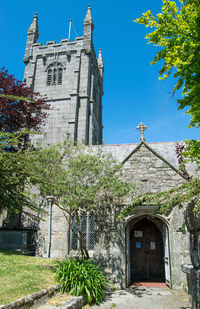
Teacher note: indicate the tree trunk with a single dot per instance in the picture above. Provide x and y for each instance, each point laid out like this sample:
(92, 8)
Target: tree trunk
(84, 251)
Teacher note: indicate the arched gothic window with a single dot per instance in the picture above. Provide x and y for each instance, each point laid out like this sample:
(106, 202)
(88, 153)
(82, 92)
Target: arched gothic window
(87, 227)
(54, 74)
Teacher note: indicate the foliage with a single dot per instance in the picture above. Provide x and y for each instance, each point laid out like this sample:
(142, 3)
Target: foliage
(167, 200)
(16, 167)
(79, 179)
(82, 277)
(192, 151)
(20, 107)
(177, 32)
(23, 275)
(21, 110)
(12, 177)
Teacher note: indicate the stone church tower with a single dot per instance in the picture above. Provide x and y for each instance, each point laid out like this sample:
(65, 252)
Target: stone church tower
(71, 77)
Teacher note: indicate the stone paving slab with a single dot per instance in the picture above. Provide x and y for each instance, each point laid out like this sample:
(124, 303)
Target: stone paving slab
(145, 298)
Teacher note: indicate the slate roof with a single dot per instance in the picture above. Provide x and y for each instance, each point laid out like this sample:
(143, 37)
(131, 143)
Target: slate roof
(166, 150)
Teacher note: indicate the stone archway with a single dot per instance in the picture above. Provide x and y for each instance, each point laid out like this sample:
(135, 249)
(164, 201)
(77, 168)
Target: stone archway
(147, 250)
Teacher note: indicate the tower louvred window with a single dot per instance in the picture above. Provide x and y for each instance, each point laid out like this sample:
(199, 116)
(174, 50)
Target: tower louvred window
(54, 74)
(60, 76)
(49, 77)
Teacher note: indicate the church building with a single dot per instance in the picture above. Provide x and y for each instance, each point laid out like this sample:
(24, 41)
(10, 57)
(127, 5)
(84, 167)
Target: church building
(71, 77)
(144, 247)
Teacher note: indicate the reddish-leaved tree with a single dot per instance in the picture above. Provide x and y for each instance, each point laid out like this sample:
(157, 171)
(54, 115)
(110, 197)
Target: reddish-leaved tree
(20, 107)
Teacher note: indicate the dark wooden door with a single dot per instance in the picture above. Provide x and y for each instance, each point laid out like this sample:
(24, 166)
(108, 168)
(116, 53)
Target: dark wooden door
(146, 252)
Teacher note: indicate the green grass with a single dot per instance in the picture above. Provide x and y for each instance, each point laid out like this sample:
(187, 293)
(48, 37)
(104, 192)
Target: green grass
(22, 275)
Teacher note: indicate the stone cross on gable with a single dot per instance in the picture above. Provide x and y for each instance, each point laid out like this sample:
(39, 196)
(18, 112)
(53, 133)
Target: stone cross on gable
(142, 128)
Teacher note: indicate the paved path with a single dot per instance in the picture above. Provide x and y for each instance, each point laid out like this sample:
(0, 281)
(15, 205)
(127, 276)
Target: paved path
(145, 298)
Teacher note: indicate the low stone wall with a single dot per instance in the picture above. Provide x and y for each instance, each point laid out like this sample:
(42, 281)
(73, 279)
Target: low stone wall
(34, 300)
(73, 303)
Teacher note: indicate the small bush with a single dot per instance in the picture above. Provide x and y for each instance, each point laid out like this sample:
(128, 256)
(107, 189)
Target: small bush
(82, 277)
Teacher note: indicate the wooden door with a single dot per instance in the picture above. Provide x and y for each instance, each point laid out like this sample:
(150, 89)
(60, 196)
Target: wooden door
(146, 252)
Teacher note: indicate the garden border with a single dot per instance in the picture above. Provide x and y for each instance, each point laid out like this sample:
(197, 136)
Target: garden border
(39, 298)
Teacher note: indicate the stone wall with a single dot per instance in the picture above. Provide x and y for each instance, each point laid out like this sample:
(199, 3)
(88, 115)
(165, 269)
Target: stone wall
(59, 247)
(150, 171)
(192, 270)
(179, 247)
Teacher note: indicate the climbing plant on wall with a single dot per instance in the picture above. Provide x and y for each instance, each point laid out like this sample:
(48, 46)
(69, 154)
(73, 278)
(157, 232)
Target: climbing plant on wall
(167, 200)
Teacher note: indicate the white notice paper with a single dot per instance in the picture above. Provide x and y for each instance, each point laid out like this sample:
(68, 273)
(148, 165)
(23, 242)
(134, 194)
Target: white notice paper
(138, 233)
(153, 245)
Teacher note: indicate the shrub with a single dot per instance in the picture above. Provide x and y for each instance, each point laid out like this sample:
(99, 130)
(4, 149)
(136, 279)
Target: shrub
(81, 277)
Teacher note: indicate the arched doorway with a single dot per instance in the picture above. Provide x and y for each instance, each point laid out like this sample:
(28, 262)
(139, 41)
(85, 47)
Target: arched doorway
(148, 250)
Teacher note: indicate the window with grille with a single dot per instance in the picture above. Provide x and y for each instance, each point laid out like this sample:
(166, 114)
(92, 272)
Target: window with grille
(54, 74)
(87, 227)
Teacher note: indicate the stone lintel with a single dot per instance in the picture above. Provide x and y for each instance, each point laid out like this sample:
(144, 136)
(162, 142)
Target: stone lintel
(145, 210)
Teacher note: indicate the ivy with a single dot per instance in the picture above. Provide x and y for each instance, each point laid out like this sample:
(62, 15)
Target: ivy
(167, 200)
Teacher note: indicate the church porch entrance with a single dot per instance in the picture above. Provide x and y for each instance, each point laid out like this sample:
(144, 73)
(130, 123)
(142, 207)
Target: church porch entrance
(148, 250)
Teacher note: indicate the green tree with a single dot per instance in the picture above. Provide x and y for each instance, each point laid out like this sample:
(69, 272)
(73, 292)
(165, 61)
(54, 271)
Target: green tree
(21, 109)
(15, 171)
(80, 180)
(177, 34)
(192, 151)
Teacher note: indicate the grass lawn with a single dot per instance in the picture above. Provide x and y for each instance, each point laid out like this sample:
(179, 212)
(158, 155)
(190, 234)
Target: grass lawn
(22, 275)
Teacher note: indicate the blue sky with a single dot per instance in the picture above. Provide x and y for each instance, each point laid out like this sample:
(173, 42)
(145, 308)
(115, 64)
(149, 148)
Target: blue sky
(132, 91)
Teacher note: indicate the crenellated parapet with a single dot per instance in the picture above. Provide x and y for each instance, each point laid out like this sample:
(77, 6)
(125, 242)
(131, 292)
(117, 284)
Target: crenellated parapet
(69, 74)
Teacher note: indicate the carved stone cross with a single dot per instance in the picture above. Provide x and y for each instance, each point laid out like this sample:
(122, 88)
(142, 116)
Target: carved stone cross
(142, 128)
